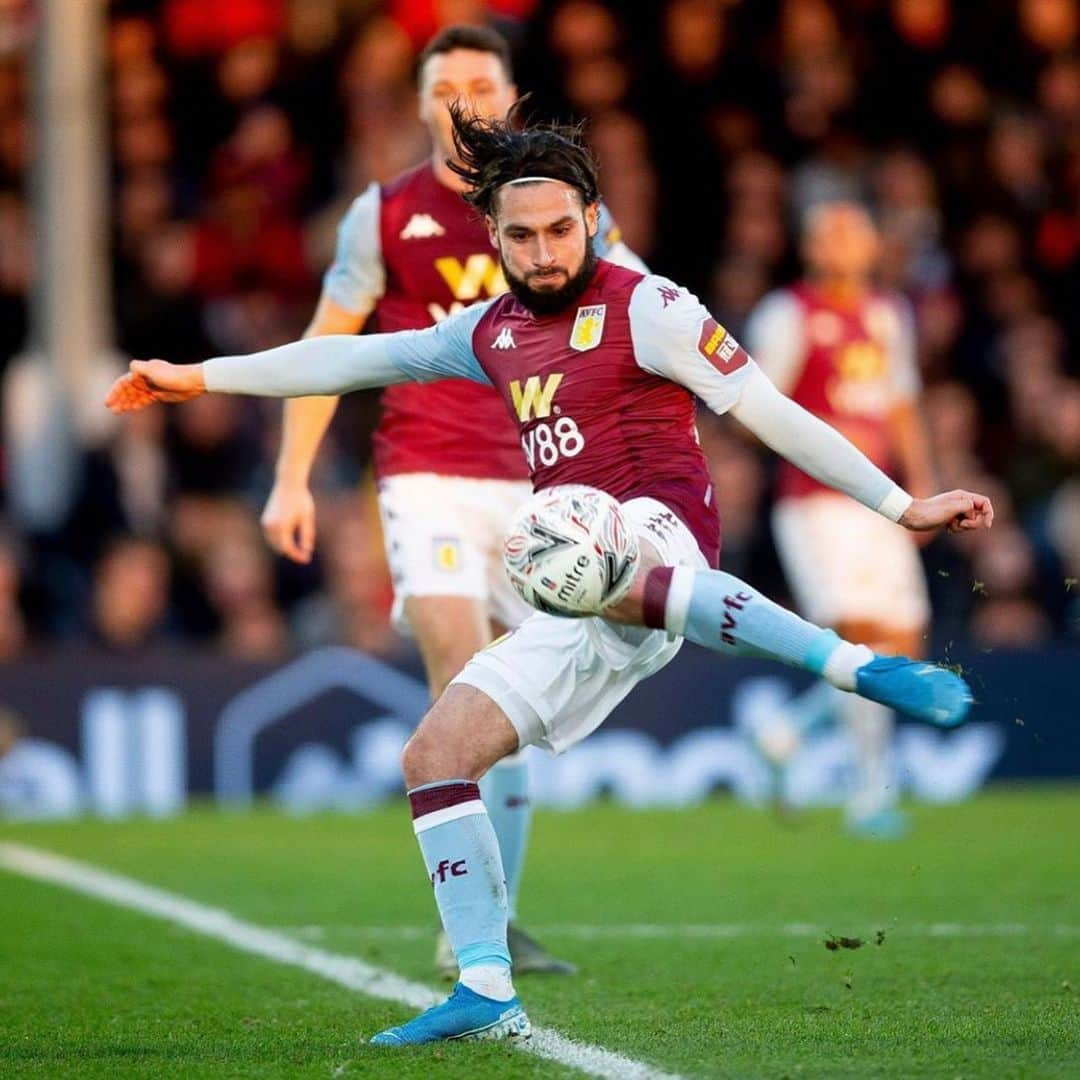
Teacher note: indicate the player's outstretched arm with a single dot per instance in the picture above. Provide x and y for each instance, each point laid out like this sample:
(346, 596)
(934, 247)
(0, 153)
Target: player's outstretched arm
(822, 452)
(317, 366)
(331, 365)
(675, 337)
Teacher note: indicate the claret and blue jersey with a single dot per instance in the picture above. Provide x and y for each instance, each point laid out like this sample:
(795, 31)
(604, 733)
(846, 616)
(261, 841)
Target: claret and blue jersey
(602, 393)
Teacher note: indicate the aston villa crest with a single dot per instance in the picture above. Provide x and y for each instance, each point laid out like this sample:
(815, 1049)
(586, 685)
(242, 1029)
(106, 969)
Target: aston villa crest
(588, 327)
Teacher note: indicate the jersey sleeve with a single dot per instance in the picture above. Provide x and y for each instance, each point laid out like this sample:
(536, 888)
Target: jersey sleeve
(442, 351)
(357, 278)
(610, 245)
(336, 363)
(675, 337)
(775, 336)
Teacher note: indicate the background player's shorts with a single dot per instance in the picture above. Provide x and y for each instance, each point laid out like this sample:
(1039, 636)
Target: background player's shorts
(558, 679)
(846, 562)
(444, 537)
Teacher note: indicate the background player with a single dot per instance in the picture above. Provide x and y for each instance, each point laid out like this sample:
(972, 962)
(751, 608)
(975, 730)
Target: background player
(585, 333)
(447, 459)
(846, 352)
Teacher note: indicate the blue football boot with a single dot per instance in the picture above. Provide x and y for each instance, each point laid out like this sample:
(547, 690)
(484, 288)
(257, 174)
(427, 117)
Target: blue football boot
(465, 1014)
(916, 688)
(885, 824)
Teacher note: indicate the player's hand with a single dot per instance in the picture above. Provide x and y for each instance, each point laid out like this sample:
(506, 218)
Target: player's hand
(959, 511)
(150, 381)
(288, 521)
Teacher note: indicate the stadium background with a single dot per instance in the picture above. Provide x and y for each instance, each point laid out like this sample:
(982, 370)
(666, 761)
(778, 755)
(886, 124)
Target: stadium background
(237, 135)
(151, 650)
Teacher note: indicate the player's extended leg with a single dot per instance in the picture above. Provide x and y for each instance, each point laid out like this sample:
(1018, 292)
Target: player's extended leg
(721, 612)
(462, 736)
(449, 631)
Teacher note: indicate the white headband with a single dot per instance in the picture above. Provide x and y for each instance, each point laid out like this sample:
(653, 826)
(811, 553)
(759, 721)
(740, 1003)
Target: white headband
(533, 180)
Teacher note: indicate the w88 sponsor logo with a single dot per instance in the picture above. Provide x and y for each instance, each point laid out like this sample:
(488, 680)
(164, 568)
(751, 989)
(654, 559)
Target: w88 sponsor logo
(548, 441)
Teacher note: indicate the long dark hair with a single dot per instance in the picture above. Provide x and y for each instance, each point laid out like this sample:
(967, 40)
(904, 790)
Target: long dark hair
(494, 152)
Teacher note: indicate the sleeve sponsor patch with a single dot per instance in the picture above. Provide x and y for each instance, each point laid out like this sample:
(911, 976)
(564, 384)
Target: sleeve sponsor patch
(720, 348)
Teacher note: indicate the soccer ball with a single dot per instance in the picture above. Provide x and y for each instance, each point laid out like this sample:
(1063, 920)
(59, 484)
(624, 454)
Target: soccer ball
(569, 551)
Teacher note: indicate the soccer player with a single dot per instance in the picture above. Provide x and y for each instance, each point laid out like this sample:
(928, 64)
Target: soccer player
(447, 459)
(846, 352)
(599, 366)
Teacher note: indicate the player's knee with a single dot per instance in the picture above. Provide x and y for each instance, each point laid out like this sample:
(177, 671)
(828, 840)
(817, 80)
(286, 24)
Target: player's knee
(432, 754)
(417, 762)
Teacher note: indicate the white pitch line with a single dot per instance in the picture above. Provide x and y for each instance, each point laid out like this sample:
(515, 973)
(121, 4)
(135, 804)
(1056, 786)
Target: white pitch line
(347, 971)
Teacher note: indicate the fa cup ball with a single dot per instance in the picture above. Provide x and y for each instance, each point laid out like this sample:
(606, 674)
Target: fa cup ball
(569, 551)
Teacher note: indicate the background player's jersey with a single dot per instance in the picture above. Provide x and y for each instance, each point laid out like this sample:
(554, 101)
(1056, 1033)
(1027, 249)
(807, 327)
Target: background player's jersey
(413, 252)
(850, 365)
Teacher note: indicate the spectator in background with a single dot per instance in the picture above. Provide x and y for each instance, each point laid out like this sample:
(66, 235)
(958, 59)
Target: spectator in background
(355, 609)
(240, 587)
(130, 597)
(241, 130)
(12, 622)
(1008, 614)
(195, 28)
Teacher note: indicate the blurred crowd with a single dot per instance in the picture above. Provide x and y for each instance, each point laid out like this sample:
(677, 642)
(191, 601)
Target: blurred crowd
(240, 131)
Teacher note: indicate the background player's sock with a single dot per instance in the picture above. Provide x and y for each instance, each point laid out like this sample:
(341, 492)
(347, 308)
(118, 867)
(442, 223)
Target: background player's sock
(871, 726)
(505, 790)
(817, 707)
(779, 733)
(724, 613)
(462, 859)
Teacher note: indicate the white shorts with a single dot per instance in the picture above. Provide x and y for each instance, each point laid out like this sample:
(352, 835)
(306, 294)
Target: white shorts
(444, 537)
(558, 679)
(844, 562)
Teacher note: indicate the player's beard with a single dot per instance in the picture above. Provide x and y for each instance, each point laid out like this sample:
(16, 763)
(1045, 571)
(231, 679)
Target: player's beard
(552, 301)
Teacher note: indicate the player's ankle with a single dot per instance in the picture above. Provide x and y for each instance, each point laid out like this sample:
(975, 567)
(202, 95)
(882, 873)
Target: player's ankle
(844, 661)
(490, 980)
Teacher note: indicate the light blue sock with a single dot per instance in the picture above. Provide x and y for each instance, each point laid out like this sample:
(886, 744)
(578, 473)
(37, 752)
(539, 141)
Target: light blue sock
(462, 859)
(723, 613)
(505, 790)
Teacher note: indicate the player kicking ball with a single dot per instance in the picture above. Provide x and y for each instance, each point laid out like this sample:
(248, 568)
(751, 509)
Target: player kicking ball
(599, 366)
(447, 459)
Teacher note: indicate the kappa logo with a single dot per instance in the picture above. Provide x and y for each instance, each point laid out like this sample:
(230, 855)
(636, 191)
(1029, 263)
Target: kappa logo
(588, 327)
(668, 293)
(535, 399)
(662, 525)
(505, 340)
(421, 227)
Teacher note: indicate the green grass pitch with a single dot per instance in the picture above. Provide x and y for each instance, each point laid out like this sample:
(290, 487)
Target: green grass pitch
(700, 934)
